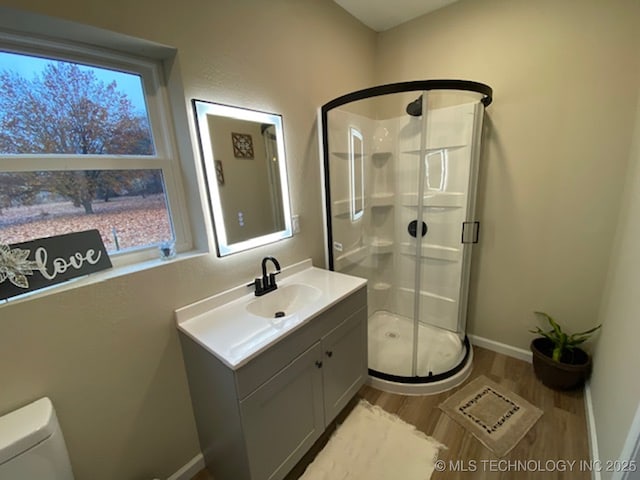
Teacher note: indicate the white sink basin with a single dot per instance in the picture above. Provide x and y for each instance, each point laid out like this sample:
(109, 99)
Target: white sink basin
(284, 301)
(236, 326)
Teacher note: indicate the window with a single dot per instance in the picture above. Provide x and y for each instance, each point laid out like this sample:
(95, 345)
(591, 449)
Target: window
(85, 143)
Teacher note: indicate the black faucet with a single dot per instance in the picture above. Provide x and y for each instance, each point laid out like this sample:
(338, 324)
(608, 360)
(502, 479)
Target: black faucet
(267, 283)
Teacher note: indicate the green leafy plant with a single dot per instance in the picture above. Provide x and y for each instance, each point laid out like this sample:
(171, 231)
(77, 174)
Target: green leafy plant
(561, 341)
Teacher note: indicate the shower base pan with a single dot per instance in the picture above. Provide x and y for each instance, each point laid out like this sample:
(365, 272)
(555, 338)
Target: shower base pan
(443, 360)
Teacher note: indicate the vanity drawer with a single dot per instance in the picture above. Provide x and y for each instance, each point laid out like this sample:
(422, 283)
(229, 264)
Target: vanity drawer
(250, 376)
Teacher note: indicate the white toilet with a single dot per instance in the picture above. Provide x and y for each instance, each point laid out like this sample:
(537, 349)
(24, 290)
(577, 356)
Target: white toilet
(32, 446)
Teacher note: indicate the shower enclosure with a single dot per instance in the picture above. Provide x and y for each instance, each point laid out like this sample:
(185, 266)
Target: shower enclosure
(400, 171)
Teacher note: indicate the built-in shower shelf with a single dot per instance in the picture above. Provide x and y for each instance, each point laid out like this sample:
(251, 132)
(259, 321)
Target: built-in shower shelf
(381, 286)
(437, 309)
(379, 246)
(381, 157)
(438, 252)
(434, 199)
(357, 255)
(426, 294)
(342, 208)
(351, 257)
(347, 155)
(433, 149)
(381, 200)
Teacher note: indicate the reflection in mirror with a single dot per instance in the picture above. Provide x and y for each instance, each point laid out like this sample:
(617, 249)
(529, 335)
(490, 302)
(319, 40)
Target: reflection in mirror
(243, 155)
(356, 174)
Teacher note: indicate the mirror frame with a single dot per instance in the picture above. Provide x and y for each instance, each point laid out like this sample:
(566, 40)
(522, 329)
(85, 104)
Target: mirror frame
(203, 110)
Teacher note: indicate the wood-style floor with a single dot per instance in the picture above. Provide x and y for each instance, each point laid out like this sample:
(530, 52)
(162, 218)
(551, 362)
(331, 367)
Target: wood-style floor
(556, 440)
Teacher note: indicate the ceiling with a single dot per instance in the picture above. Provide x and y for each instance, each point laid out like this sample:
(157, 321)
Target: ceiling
(381, 15)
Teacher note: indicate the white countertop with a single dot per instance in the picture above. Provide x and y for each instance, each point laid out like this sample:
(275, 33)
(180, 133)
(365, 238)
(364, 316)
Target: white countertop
(223, 326)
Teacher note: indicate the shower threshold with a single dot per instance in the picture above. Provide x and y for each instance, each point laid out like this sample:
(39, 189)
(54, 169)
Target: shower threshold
(443, 360)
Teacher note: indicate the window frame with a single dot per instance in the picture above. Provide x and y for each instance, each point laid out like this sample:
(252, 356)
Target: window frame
(165, 158)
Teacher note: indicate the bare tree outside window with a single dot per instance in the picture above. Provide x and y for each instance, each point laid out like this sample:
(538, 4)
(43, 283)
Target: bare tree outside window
(66, 109)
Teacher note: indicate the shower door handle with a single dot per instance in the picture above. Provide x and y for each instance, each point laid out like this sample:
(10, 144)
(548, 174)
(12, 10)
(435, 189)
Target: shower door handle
(470, 232)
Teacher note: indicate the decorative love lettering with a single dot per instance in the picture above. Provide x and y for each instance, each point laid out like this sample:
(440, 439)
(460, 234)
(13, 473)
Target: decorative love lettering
(54, 260)
(60, 265)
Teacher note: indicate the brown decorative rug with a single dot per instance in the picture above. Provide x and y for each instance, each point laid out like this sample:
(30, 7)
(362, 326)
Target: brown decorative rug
(494, 415)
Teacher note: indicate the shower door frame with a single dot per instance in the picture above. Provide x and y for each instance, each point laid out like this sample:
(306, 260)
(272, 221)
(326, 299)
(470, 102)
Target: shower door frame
(402, 87)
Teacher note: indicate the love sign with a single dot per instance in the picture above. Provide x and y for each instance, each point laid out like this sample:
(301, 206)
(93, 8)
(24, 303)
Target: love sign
(40, 263)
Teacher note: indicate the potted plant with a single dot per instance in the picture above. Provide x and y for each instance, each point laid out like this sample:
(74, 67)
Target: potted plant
(557, 360)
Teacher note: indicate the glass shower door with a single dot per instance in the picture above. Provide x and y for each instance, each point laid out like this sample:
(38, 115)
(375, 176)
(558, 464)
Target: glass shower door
(449, 171)
(364, 173)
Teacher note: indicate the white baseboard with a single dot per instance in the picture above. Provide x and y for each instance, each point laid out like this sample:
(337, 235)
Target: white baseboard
(503, 348)
(591, 430)
(188, 471)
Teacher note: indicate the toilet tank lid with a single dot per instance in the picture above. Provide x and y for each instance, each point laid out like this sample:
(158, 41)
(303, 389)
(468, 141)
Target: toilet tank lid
(23, 428)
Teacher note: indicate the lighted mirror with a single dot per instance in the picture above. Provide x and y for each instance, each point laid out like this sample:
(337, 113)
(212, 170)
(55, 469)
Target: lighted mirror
(246, 174)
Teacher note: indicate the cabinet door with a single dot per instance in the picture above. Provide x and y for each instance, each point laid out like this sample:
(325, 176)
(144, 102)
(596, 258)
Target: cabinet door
(284, 417)
(344, 352)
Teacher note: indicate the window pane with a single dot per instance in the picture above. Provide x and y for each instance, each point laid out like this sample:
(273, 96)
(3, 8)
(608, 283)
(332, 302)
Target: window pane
(128, 207)
(51, 106)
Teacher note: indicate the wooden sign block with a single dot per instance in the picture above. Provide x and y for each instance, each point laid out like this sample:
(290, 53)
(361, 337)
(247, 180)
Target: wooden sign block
(32, 265)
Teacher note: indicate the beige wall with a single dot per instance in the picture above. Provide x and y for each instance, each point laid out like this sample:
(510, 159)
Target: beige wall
(565, 76)
(108, 354)
(614, 385)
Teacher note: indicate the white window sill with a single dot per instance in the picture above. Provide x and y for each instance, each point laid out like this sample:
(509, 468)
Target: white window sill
(105, 275)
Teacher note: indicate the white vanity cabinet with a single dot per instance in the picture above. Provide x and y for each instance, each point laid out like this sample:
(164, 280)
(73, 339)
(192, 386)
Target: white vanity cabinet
(257, 421)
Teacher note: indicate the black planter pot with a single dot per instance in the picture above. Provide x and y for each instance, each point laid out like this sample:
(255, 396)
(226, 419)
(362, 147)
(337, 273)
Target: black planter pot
(571, 372)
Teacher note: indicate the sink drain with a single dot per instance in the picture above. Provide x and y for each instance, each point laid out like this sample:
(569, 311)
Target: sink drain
(279, 314)
(392, 335)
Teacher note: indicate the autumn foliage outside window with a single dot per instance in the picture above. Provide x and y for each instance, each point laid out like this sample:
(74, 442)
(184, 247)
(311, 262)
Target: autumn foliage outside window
(77, 152)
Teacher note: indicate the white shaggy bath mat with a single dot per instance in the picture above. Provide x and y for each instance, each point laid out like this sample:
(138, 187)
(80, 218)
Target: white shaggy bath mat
(375, 445)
